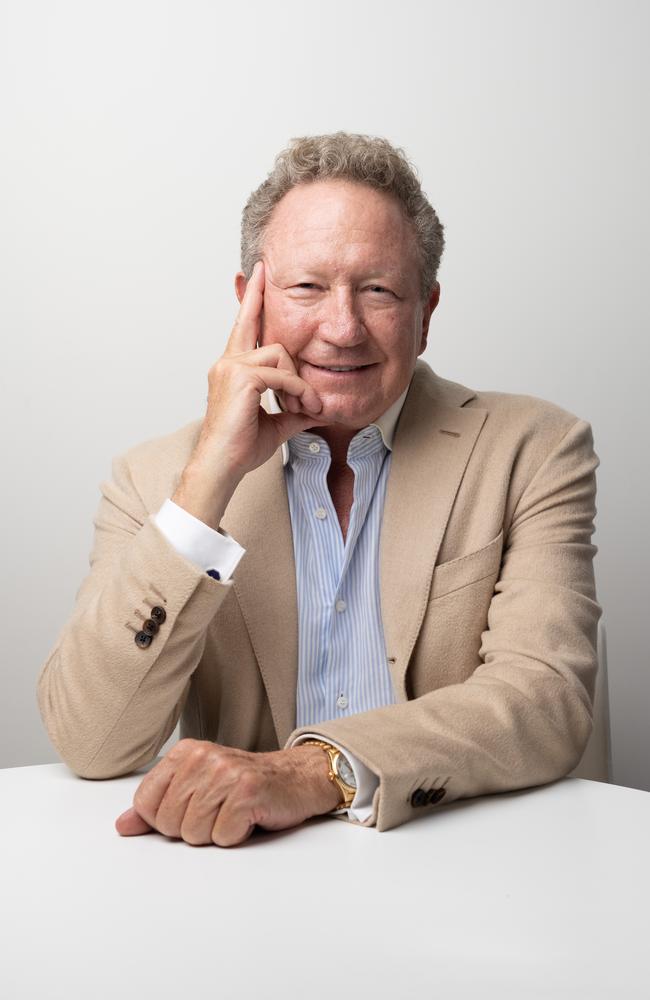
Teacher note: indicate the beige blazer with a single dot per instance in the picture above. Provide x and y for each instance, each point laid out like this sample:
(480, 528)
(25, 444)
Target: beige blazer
(487, 594)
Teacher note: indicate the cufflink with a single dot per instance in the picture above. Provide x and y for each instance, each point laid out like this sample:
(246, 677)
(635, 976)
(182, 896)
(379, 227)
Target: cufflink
(214, 573)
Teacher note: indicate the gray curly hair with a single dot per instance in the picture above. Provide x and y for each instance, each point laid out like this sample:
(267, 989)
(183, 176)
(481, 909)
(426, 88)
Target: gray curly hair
(345, 156)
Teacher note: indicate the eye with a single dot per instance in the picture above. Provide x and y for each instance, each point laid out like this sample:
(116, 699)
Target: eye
(380, 290)
(307, 285)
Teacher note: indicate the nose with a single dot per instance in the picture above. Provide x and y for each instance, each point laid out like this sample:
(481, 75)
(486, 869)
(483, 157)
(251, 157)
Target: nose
(342, 323)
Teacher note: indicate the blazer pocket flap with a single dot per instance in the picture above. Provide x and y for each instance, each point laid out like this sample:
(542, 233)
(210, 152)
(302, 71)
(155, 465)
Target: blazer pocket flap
(475, 566)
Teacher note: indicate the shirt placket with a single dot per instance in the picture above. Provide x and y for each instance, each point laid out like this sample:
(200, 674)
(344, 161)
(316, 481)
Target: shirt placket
(311, 465)
(366, 466)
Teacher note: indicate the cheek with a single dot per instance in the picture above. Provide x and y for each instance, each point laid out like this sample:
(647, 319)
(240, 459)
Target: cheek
(398, 339)
(287, 323)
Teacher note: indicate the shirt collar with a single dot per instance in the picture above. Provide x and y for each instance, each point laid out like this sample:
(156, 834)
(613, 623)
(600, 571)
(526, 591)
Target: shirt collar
(385, 423)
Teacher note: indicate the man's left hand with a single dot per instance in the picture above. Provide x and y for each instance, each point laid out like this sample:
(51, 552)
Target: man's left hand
(206, 793)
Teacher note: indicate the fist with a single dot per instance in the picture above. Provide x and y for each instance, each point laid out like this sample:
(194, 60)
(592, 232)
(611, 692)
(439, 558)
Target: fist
(205, 793)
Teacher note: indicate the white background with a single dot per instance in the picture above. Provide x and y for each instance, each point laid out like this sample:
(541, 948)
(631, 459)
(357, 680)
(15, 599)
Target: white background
(133, 133)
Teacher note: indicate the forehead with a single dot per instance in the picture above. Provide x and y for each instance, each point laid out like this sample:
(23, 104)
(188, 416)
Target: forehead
(326, 221)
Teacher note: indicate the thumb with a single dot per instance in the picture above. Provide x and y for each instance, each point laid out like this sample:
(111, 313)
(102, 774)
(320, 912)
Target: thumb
(131, 824)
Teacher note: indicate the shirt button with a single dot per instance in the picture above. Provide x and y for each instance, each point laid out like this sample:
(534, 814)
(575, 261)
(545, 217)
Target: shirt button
(342, 701)
(320, 513)
(314, 446)
(340, 605)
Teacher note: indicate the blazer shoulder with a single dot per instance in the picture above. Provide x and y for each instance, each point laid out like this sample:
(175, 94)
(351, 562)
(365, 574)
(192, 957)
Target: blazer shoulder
(523, 413)
(508, 412)
(508, 405)
(523, 432)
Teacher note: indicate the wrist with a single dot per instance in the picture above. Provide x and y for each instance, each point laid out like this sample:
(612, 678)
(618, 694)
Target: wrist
(203, 495)
(315, 762)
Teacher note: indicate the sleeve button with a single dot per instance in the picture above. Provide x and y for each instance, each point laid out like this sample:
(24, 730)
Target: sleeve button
(142, 639)
(150, 626)
(158, 614)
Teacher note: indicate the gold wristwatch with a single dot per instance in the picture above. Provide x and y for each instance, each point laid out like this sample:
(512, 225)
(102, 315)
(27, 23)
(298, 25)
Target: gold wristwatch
(340, 773)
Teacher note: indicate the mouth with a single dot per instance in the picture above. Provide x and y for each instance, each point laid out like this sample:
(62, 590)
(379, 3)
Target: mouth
(344, 373)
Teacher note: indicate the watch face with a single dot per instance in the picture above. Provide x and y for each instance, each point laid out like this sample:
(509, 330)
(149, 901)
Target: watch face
(345, 772)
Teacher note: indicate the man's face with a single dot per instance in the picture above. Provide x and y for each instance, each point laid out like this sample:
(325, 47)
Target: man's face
(342, 288)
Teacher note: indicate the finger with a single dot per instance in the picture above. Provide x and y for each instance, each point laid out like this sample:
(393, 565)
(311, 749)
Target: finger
(245, 332)
(171, 811)
(275, 355)
(272, 355)
(200, 815)
(234, 823)
(293, 385)
(152, 788)
(131, 824)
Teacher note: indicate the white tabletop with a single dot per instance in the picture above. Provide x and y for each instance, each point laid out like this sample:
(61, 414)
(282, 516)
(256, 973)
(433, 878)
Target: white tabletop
(540, 893)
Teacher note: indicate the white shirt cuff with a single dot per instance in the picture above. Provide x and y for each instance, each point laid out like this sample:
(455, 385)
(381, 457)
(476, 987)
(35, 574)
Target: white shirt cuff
(200, 544)
(367, 781)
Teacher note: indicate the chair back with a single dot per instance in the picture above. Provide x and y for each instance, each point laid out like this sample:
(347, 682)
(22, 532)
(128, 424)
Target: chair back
(596, 761)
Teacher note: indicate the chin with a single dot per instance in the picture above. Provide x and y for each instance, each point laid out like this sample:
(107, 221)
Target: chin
(353, 418)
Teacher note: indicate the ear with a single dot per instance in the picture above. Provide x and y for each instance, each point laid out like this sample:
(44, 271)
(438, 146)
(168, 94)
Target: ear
(427, 310)
(241, 282)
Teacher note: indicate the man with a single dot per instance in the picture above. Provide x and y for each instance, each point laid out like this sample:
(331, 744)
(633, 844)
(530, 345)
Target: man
(363, 588)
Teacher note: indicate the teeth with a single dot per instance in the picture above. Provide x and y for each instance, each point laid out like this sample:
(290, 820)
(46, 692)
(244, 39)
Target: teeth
(353, 368)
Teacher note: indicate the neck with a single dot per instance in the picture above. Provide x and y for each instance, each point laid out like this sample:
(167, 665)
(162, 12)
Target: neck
(338, 439)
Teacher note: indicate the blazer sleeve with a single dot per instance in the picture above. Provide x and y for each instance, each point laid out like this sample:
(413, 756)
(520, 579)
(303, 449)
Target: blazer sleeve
(524, 715)
(108, 703)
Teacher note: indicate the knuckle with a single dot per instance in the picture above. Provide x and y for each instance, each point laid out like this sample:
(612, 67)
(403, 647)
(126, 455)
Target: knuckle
(193, 839)
(232, 837)
(141, 801)
(286, 357)
(217, 839)
(222, 839)
(165, 828)
(198, 753)
(181, 748)
(249, 783)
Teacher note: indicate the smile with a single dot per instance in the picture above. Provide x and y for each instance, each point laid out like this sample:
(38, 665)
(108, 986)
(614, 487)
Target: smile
(340, 370)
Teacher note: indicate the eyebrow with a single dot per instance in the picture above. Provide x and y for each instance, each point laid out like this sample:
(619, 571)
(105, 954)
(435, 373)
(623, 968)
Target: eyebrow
(306, 273)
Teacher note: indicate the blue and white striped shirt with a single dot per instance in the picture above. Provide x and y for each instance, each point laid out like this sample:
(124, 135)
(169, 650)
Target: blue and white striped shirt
(342, 668)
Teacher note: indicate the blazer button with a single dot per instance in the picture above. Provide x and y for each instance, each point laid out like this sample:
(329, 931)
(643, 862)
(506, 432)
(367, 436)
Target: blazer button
(149, 626)
(158, 614)
(419, 797)
(435, 794)
(142, 639)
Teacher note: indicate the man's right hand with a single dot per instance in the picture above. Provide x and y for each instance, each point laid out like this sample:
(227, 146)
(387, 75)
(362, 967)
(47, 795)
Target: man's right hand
(237, 434)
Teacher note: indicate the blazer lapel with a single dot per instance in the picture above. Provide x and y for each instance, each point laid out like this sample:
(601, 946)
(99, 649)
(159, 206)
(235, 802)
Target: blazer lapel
(433, 442)
(265, 584)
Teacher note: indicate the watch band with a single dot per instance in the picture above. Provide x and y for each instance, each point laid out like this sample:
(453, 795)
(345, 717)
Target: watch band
(347, 791)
